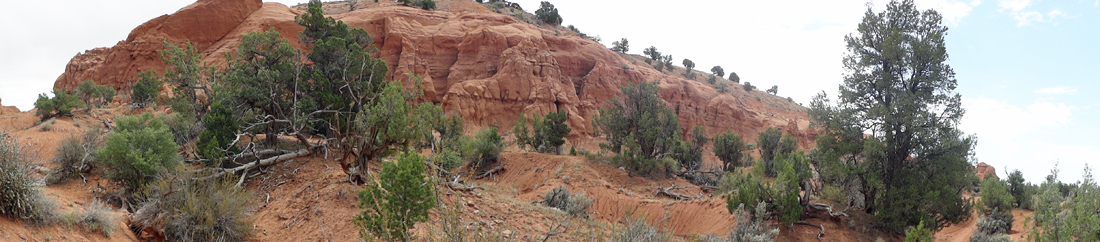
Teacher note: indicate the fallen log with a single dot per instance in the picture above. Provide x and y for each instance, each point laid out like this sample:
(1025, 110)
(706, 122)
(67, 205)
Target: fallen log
(829, 209)
(669, 193)
(490, 172)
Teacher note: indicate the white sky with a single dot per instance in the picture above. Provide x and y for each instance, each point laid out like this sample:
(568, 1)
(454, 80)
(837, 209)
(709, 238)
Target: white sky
(1025, 68)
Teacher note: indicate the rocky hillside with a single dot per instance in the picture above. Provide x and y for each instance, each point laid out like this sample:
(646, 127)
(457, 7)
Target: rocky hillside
(486, 66)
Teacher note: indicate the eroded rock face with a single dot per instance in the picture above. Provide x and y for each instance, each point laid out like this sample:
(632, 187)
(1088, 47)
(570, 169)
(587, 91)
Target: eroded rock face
(485, 66)
(7, 109)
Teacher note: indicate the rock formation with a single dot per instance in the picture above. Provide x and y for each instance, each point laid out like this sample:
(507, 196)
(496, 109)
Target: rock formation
(486, 66)
(7, 109)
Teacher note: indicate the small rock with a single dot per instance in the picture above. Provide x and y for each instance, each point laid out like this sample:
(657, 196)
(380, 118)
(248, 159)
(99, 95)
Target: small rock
(507, 233)
(498, 221)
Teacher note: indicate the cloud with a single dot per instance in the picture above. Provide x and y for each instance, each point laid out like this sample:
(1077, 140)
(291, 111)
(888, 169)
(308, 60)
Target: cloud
(1056, 90)
(952, 11)
(1018, 9)
(994, 119)
(1026, 137)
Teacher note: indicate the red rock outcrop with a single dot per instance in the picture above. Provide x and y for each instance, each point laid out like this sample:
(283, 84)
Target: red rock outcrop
(7, 109)
(983, 170)
(486, 66)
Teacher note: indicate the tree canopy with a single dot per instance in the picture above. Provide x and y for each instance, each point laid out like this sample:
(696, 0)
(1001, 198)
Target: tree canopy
(914, 163)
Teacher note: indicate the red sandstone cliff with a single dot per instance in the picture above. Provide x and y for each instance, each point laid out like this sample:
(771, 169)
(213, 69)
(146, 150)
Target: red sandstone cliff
(7, 109)
(486, 66)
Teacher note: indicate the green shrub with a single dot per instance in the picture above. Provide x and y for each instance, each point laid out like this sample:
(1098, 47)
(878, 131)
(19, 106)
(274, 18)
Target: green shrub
(397, 201)
(137, 150)
(75, 155)
(688, 66)
(774, 90)
(995, 196)
(729, 148)
(220, 130)
(746, 189)
(996, 222)
(189, 209)
(146, 89)
(983, 237)
(573, 204)
(183, 127)
(486, 148)
(734, 78)
(62, 104)
(918, 234)
(772, 143)
(717, 71)
(637, 230)
(547, 133)
(752, 227)
(547, 13)
(690, 154)
(94, 95)
(447, 159)
(97, 217)
(19, 198)
(621, 46)
(832, 193)
(747, 86)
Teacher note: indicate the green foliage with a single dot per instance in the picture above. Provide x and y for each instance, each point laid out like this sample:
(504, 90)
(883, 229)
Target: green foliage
(343, 77)
(146, 89)
(771, 145)
(94, 95)
(689, 65)
(548, 132)
(1022, 193)
(221, 130)
(995, 196)
(61, 104)
(185, 73)
(995, 222)
(690, 154)
(747, 190)
(914, 166)
(748, 87)
(19, 198)
(722, 87)
(487, 146)
(729, 148)
(390, 124)
(1067, 218)
(918, 234)
(774, 90)
(621, 46)
(734, 78)
(794, 173)
(184, 128)
(547, 13)
(717, 71)
(188, 208)
(397, 201)
(260, 82)
(574, 204)
(642, 123)
(138, 149)
(652, 53)
(752, 227)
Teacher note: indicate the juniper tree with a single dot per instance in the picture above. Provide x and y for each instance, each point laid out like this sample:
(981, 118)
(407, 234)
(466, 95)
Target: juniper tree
(912, 166)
